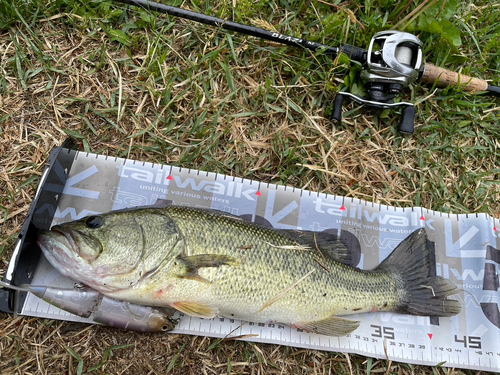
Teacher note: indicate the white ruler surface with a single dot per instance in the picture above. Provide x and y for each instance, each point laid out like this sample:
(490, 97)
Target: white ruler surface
(466, 253)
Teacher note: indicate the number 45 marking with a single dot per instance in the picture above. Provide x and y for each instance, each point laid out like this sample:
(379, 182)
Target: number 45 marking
(474, 342)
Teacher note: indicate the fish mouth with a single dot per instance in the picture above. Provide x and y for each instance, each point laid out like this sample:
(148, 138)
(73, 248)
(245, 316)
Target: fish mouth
(60, 248)
(55, 239)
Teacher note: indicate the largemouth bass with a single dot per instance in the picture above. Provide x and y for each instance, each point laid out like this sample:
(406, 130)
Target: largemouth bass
(207, 263)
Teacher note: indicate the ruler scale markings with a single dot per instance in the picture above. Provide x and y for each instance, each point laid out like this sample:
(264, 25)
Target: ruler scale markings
(472, 360)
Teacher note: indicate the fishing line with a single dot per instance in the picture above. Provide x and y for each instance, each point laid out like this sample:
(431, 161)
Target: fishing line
(13, 287)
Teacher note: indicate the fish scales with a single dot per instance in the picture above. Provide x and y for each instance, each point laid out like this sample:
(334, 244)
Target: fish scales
(268, 267)
(207, 263)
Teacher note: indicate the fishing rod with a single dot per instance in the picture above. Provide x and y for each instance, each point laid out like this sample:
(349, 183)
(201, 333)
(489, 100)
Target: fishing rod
(393, 61)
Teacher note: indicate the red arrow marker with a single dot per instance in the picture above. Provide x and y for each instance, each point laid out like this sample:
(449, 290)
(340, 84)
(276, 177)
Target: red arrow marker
(342, 208)
(258, 194)
(422, 218)
(170, 178)
(430, 335)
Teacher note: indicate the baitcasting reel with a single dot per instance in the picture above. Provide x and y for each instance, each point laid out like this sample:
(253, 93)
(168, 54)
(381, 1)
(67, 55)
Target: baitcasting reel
(394, 60)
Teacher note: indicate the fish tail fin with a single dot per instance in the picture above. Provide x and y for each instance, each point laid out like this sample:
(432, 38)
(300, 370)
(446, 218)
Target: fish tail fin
(422, 292)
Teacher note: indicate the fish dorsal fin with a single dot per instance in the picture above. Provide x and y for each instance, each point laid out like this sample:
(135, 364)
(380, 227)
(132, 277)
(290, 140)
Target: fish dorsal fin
(328, 244)
(196, 309)
(332, 326)
(162, 203)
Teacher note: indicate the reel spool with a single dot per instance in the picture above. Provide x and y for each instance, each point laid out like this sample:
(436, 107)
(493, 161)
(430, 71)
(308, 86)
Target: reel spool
(395, 60)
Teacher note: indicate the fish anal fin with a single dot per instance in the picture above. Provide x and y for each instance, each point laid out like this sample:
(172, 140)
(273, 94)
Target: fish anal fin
(332, 326)
(196, 309)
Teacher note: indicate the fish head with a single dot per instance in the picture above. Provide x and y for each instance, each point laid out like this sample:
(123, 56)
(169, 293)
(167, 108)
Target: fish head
(111, 251)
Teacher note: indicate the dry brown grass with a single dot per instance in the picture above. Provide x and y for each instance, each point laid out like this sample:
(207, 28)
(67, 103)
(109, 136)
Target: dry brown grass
(187, 111)
(37, 346)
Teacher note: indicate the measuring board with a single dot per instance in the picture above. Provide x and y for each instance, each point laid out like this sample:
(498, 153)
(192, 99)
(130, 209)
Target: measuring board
(78, 184)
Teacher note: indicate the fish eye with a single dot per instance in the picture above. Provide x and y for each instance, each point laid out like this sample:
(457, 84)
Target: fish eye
(94, 222)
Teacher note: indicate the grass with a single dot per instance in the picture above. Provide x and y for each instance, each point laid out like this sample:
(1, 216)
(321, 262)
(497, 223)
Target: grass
(129, 83)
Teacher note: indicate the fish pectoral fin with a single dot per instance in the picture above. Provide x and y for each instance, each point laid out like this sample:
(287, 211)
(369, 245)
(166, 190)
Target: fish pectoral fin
(196, 309)
(207, 260)
(332, 326)
(194, 262)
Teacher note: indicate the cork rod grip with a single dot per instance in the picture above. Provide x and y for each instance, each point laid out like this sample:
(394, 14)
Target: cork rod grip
(445, 77)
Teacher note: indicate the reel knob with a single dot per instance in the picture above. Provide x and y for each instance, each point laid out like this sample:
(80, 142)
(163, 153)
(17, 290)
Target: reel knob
(337, 108)
(407, 124)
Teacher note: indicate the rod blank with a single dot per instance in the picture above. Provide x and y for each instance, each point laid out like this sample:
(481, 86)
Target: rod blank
(354, 53)
(431, 74)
